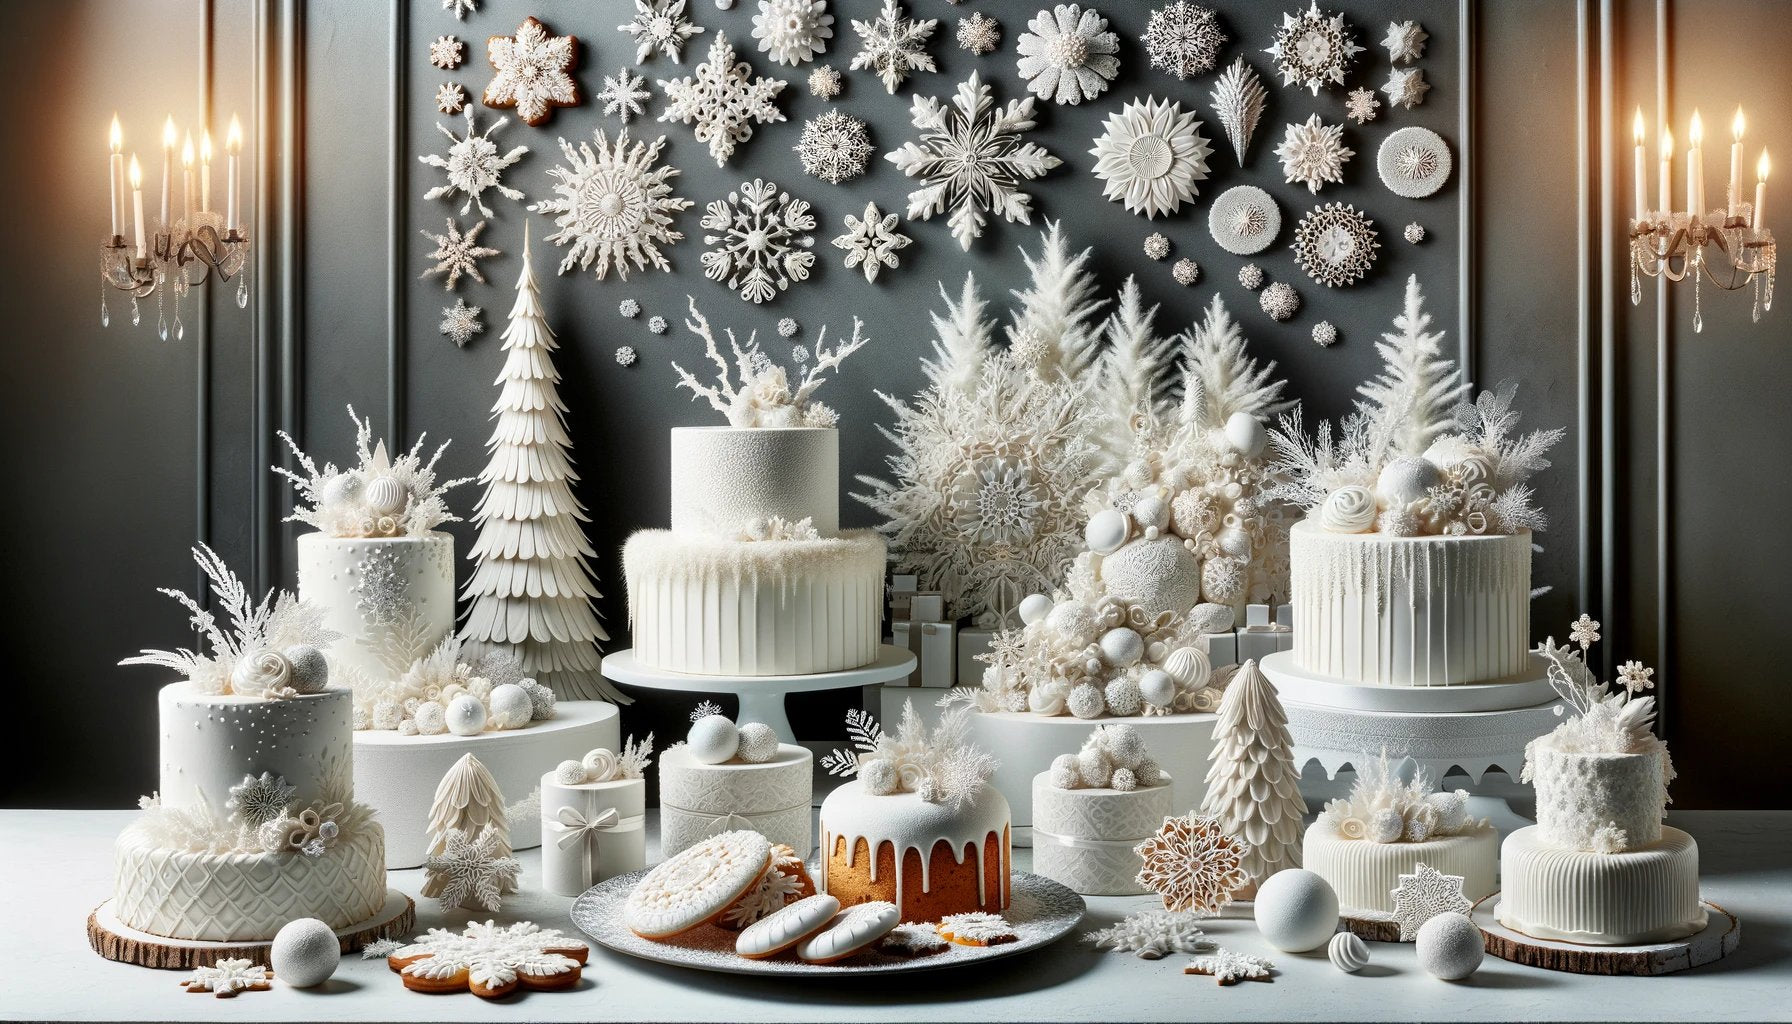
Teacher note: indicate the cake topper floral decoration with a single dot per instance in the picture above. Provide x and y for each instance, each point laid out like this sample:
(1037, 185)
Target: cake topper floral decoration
(763, 395)
(533, 72)
(1067, 54)
(1193, 865)
(1383, 808)
(940, 765)
(380, 496)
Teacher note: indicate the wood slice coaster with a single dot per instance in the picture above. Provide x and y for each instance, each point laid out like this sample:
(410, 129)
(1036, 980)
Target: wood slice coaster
(1370, 925)
(1719, 939)
(114, 940)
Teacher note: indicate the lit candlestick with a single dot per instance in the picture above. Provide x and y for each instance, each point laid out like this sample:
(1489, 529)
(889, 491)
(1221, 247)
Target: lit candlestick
(1667, 169)
(115, 170)
(1761, 170)
(205, 171)
(137, 201)
(1642, 170)
(233, 144)
(186, 179)
(1695, 169)
(168, 141)
(1736, 126)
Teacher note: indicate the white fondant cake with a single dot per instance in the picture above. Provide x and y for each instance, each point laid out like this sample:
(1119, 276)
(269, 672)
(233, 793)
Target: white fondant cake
(723, 477)
(1086, 838)
(1364, 873)
(1579, 794)
(772, 798)
(391, 598)
(931, 859)
(1637, 897)
(210, 741)
(591, 831)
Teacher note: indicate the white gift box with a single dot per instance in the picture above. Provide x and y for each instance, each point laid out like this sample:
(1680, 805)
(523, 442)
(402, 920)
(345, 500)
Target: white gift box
(700, 800)
(1085, 838)
(590, 832)
(1266, 630)
(902, 591)
(971, 643)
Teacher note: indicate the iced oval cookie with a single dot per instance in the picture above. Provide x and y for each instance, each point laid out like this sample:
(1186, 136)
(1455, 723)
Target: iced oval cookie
(694, 887)
(785, 928)
(852, 931)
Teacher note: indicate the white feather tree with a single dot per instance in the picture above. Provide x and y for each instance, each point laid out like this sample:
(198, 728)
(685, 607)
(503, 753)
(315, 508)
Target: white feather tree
(1219, 379)
(1131, 387)
(1416, 394)
(962, 340)
(533, 589)
(1058, 310)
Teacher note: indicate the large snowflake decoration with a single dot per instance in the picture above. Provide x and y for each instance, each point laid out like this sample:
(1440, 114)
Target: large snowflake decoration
(872, 241)
(257, 799)
(1152, 933)
(446, 52)
(461, 321)
(893, 46)
(661, 25)
(494, 959)
(761, 241)
(979, 34)
(613, 206)
(1405, 41)
(1313, 50)
(1229, 968)
(1193, 864)
(1151, 154)
(1335, 244)
(1067, 54)
(834, 147)
(971, 158)
(722, 101)
(623, 94)
(1313, 153)
(534, 72)
(1360, 105)
(456, 254)
(793, 31)
(1238, 101)
(475, 869)
(473, 164)
(1423, 895)
(229, 976)
(1183, 39)
(1405, 87)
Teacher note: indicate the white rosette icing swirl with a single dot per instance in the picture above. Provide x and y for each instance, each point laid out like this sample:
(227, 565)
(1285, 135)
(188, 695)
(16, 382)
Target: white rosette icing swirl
(1349, 509)
(263, 673)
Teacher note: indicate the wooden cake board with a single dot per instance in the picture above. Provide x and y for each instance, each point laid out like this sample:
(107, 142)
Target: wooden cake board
(1719, 939)
(1370, 925)
(114, 940)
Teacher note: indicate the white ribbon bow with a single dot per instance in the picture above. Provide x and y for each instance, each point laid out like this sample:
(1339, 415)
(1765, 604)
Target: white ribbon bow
(574, 827)
(730, 822)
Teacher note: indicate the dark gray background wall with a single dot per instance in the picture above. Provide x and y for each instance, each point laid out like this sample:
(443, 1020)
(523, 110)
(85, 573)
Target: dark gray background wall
(124, 448)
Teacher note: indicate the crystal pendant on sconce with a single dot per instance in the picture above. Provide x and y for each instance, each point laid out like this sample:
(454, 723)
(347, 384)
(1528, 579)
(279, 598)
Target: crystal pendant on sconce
(106, 314)
(136, 312)
(242, 292)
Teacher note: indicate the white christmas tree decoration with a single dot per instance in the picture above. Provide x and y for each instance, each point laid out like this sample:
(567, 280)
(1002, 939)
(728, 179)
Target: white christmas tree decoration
(971, 160)
(722, 101)
(1253, 786)
(1221, 379)
(446, 52)
(612, 206)
(461, 321)
(1405, 87)
(1405, 42)
(660, 25)
(793, 31)
(764, 396)
(824, 82)
(1238, 100)
(871, 242)
(1183, 39)
(760, 243)
(1150, 155)
(450, 98)
(1058, 308)
(532, 591)
(456, 254)
(1279, 300)
(460, 8)
(1418, 387)
(623, 94)
(1335, 245)
(834, 147)
(468, 802)
(1131, 387)
(1313, 153)
(533, 72)
(1067, 54)
(893, 45)
(473, 164)
(1423, 895)
(1314, 51)
(979, 34)
(1360, 105)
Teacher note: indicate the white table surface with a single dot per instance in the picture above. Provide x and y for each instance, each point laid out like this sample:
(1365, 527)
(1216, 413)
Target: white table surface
(57, 867)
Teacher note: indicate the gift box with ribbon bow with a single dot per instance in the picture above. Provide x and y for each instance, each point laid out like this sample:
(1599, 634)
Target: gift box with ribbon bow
(591, 831)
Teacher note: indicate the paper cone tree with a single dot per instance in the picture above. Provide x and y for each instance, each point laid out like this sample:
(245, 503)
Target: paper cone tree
(533, 589)
(1253, 787)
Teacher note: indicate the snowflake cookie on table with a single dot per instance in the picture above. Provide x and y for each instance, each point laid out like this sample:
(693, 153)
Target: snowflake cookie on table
(1183, 39)
(1151, 156)
(460, 322)
(612, 206)
(834, 147)
(1152, 934)
(623, 94)
(446, 52)
(722, 101)
(872, 241)
(661, 25)
(1193, 864)
(913, 940)
(450, 98)
(893, 45)
(793, 32)
(473, 164)
(355, 501)
(979, 34)
(1313, 153)
(456, 254)
(1229, 968)
(532, 72)
(1424, 894)
(1067, 54)
(229, 976)
(491, 960)
(760, 243)
(764, 395)
(940, 765)
(1313, 50)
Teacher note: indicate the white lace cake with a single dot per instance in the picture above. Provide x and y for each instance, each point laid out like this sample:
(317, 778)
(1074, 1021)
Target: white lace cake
(772, 797)
(391, 598)
(1093, 809)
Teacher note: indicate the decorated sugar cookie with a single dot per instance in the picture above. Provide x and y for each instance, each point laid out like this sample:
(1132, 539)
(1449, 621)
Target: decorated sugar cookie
(785, 928)
(491, 960)
(695, 887)
(911, 941)
(976, 929)
(850, 933)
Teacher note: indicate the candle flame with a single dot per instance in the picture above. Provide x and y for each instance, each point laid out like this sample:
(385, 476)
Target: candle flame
(205, 145)
(168, 135)
(186, 153)
(1637, 126)
(1696, 131)
(1737, 125)
(136, 172)
(233, 139)
(1667, 142)
(1763, 166)
(117, 137)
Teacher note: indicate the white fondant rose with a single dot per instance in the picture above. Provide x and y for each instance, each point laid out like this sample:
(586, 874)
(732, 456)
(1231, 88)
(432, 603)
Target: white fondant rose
(261, 674)
(1349, 509)
(600, 765)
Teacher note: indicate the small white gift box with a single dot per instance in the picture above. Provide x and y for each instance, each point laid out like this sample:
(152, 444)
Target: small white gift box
(590, 832)
(773, 798)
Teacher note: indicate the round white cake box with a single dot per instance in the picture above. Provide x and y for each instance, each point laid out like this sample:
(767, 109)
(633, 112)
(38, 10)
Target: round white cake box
(1026, 744)
(397, 775)
(761, 697)
(1720, 937)
(115, 940)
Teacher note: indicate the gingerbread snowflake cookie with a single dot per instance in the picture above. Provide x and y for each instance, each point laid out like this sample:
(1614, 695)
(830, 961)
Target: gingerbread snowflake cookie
(533, 72)
(1193, 863)
(910, 941)
(491, 960)
(229, 976)
(697, 886)
(976, 928)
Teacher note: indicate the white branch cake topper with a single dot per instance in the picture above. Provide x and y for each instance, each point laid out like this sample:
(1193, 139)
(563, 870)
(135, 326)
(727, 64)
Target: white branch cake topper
(379, 496)
(763, 396)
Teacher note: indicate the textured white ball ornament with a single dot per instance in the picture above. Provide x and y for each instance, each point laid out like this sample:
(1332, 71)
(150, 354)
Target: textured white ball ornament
(1159, 575)
(1151, 512)
(342, 489)
(878, 776)
(1233, 541)
(511, 706)
(758, 743)
(1296, 910)
(1123, 697)
(1065, 765)
(385, 496)
(1189, 666)
(1094, 767)
(465, 716)
(1450, 947)
(1106, 531)
(1125, 744)
(713, 739)
(571, 773)
(1073, 621)
(1034, 607)
(1122, 646)
(1405, 480)
(305, 953)
(431, 718)
(310, 669)
(1157, 688)
(1349, 953)
(1246, 434)
(1086, 701)
(1385, 826)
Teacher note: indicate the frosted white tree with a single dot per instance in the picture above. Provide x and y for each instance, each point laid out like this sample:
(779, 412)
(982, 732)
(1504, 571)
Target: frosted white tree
(1219, 379)
(1130, 388)
(1058, 310)
(962, 340)
(1415, 395)
(532, 591)
(1253, 786)
(467, 799)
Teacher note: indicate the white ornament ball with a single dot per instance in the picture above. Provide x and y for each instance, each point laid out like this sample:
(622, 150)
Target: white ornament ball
(878, 776)
(310, 669)
(1450, 947)
(511, 706)
(1147, 773)
(1151, 512)
(1123, 697)
(342, 489)
(1159, 575)
(1122, 646)
(431, 718)
(1157, 688)
(385, 496)
(713, 739)
(1189, 666)
(1246, 434)
(1125, 744)
(571, 773)
(305, 953)
(1065, 766)
(1106, 531)
(465, 716)
(1348, 952)
(1296, 910)
(1095, 767)
(758, 743)
(1406, 480)
(1233, 541)
(1073, 621)
(1123, 781)
(1086, 701)
(1034, 607)
(1386, 826)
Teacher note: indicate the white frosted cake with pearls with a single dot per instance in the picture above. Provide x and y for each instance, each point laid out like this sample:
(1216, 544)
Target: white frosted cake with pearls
(1093, 809)
(726, 777)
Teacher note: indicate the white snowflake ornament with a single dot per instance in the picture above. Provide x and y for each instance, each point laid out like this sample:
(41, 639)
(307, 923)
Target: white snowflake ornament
(1413, 162)
(657, 324)
(1360, 105)
(1313, 50)
(230, 976)
(824, 82)
(1067, 54)
(1313, 153)
(979, 34)
(625, 356)
(971, 159)
(1244, 220)
(793, 31)
(460, 8)
(760, 240)
(1183, 39)
(1335, 245)
(461, 321)
(456, 254)
(1238, 101)
(1151, 934)
(491, 960)
(1405, 41)
(1156, 246)
(1193, 864)
(834, 147)
(1250, 277)
(533, 72)
(628, 309)
(660, 25)
(722, 101)
(1423, 895)
(788, 327)
(475, 870)
(450, 98)
(893, 46)
(446, 52)
(1414, 233)
(1325, 334)
(623, 94)
(1150, 155)
(1405, 87)
(872, 241)
(473, 164)
(1229, 968)
(1279, 300)
(612, 206)
(1186, 272)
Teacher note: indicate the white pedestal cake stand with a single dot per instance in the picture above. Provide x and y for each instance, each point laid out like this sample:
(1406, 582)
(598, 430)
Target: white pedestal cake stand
(114, 940)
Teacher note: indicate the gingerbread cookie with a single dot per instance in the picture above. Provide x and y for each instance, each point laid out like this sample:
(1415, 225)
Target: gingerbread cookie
(849, 933)
(911, 941)
(532, 72)
(785, 881)
(491, 960)
(785, 928)
(696, 887)
(976, 929)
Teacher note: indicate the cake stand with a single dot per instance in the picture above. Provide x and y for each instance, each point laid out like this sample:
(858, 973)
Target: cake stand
(761, 697)
(115, 940)
(1721, 935)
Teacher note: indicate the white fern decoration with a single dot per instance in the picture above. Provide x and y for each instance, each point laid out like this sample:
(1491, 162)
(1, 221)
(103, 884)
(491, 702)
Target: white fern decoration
(1130, 386)
(863, 730)
(1220, 379)
(1058, 309)
(962, 340)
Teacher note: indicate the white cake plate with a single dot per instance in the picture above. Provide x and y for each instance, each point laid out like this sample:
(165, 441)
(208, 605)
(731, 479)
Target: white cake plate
(1722, 933)
(115, 940)
(761, 697)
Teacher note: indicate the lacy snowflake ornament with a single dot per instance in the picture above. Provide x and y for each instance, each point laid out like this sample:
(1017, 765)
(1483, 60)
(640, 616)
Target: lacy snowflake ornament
(1238, 101)
(612, 206)
(1405, 41)
(1423, 895)
(450, 98)
(259, 799)
(1229, 968)
(446, 52)
(661, 25)
(1183, 39)
(1360, 105)
(623, 94)
(793, 31)
(1325, 334)
(626, 356)
(1150, 155)
(971, 159)
(1313, 50)
(456, 254)
(722, 101)
(1156, 246)
(824, 82)
(760, 242)
(628, 308)
(1151, 934)
(656, 325)
(834, 147)
(461, 321)
(491, 960)
(872, 241)
(460, 8)
(1279, 300)
(1406, 87)
(1067, 54)
(1250, 276)
(1414, 233)
(893, 46)
(979, 34)
(1335, 245)
(533, 72)
(229, 976)
(1193, 864)
(473, 164)
(787, 327)
(1313, 153)
(1186, 272)
(474, 869)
